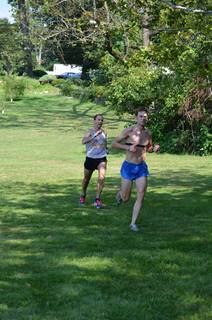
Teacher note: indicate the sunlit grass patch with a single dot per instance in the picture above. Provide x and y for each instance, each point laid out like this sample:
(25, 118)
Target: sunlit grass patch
(61, 261)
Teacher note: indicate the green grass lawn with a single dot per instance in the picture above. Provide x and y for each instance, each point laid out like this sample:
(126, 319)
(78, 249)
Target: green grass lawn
(60, 261)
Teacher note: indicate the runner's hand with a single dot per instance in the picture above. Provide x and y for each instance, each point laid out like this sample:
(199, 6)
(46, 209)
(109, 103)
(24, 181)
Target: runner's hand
(156, 148)
(150, 149)
(132, 148)
(96, 134)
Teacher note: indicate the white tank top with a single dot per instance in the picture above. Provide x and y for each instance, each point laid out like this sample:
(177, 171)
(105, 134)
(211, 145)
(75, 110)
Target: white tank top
(96, 148)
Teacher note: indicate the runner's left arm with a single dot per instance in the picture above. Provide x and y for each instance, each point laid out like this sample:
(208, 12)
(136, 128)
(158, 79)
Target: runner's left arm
(150, 147)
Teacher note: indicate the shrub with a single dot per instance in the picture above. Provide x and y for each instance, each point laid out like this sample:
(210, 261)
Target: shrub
(75, 88)
(48, 78)
(37, 73)
(13, 87)
(136, 87)
(204, 141)
(75, 81)
(58, 82)
(31, 84)
(67, 87)
(97, 93)
(179, 118)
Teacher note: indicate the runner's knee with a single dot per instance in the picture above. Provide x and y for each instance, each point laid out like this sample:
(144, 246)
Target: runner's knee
(141, 193)
(101, 179)
(125, 197)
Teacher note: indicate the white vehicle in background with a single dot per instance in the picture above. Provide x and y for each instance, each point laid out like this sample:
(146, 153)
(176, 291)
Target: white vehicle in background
(62, 71)
(68, 75)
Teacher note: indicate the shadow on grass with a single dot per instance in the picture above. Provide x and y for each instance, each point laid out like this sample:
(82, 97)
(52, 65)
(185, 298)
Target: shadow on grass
(65, 261)
(62, 113)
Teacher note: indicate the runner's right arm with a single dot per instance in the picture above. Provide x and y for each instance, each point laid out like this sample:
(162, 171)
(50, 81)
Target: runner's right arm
(123, 136)
(89, 136)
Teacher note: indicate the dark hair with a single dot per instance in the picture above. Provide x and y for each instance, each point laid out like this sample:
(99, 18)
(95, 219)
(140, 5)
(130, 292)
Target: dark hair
(141, 109)
(96, 115)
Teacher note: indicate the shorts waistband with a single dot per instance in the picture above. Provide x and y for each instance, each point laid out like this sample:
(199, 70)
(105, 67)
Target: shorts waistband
(133, 163)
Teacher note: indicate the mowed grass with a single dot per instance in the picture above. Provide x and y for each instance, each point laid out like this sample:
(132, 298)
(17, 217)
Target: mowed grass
(60, 261)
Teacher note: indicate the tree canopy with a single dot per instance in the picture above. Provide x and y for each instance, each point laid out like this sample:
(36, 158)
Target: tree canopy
(156, 53)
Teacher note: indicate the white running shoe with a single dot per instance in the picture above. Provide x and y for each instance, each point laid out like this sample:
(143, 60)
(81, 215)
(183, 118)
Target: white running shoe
(134, 227)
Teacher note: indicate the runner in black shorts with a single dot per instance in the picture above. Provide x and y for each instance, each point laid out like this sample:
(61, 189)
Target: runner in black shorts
(92, 164)
(96, 159)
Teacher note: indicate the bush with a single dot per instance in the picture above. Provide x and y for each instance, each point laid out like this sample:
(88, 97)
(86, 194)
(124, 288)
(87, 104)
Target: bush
(135, 88)
(179, 119)
(58, 82)
(75, 81)
(67, 88)
(13, 87)
(48, 78)
(204, 141)
(37, 73)
(97, 93)
(31, 84)
(75, 88)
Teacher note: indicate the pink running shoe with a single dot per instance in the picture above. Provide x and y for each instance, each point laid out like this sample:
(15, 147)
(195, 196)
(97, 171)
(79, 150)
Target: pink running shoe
(98, 203)
(82, 200)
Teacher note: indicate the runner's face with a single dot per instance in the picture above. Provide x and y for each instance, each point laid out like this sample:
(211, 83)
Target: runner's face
(98, 121)
(142, 118)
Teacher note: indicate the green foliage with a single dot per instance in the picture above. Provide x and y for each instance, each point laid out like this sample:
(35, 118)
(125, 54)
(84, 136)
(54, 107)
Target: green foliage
(135, 88)
(58, 82)
(109, 69)
(182, 141)
(13, 87)
(176, 119)
(81, 89)
(11, 54)
(48, 78)
(31, 84)
(204, 141)
(39, 72)
(76, 88)
(145, 52)
(69, 88)
(97, 93)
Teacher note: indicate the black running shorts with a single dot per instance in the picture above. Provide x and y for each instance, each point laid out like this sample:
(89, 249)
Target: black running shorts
(92, 164)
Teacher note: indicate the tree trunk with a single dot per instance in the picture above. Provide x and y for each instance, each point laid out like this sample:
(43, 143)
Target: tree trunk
(39, 54)
(24, 26)
(146, 31)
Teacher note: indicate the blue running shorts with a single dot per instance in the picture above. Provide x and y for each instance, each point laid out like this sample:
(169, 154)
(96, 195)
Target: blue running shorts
(133, 171)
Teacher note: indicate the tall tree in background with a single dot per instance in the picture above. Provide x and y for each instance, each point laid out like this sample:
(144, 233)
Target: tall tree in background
(134, 43)
(119, 27)
(11, 54)
(22, 16)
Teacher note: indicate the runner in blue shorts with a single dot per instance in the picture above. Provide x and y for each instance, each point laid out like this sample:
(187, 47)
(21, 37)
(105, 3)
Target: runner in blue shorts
(133, 171)
(136, 141)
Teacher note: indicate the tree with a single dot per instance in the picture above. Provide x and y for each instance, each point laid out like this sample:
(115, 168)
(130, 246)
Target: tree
(11, 56)
(22, 15)
(157, 46)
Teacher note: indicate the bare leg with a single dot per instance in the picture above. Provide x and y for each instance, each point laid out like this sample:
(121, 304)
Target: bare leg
(125, 191)
(141, 186)
(86, 180)
(101, 178)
